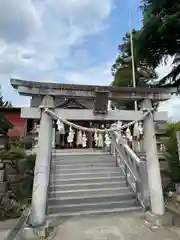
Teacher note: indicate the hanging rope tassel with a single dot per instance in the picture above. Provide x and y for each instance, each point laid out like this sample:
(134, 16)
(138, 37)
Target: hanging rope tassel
(60, 126)
(70, 137)
(84, 140)
(136, 133)
(141, 130)
(128, 134)
(136, 136)
(79, 138)
(96, 139)
(100, 140)
(107, 140)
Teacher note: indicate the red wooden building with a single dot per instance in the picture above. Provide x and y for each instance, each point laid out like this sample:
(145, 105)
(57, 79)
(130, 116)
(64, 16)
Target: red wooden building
(13, 115)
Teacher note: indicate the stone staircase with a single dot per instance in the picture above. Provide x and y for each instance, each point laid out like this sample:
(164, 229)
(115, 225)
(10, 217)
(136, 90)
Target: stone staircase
(87, 183)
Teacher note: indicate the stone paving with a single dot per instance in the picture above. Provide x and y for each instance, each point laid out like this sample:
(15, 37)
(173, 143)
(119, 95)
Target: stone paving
(109, 227)
(3, 234)
(6, 227)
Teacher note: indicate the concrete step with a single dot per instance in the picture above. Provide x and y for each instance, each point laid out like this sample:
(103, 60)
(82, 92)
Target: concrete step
(69, 152)
(85, 165)
(69, 208)
(86, 180)
(85, 170)
(57, 176)
(87, 192)
(94, 212)
(82, 159)
(81, 154)
(83, 184)
(93, 198)
(83, 162)
(95, 185)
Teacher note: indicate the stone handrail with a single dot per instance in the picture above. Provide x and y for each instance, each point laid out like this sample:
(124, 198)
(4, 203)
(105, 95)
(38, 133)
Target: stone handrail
(133, 168)
(16, 232)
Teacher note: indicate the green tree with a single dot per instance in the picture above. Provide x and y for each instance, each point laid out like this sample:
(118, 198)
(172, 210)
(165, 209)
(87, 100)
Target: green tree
(160, 36)
(122, 69)
(172, 151)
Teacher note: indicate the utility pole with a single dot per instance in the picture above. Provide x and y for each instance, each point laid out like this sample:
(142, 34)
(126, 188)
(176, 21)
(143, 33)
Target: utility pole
(132, 58)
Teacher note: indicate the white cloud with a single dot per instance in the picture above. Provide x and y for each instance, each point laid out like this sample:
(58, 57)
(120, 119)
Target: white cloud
(37, 38)
(18, 20)
(173, 108)
(164, 68)
(172, 105)
(99, 75)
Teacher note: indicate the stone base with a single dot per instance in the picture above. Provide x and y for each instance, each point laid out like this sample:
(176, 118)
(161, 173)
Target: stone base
(176, 221)
(176, 214)
(155, 220)
(30, 233)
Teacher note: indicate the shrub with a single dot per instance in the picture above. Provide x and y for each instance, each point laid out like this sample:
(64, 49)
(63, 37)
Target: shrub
(14, 153)
(20, 187)
(27, 142)
(172, 151)
(30, 161)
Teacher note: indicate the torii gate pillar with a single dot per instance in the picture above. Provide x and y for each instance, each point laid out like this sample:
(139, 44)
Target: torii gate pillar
(42, 167)
(153, 167)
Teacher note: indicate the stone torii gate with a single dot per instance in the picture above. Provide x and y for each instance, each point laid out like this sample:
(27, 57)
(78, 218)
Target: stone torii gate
(48, 95)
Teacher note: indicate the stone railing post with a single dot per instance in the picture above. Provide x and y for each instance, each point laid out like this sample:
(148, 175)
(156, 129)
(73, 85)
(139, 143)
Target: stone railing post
(153, 166)
(42, 166)
(144, 188)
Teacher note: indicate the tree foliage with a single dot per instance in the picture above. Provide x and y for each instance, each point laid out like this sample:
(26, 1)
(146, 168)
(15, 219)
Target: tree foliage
(172, 151)
(160, 35)
(4, 103)
(122, 68)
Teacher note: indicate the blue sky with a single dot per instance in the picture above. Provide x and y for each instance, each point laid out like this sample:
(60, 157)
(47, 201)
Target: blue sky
(67, 41)
(70, 41)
